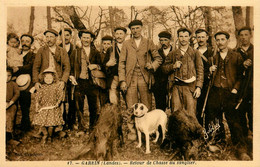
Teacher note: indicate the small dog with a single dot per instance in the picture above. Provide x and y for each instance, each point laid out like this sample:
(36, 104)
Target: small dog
(148, 122)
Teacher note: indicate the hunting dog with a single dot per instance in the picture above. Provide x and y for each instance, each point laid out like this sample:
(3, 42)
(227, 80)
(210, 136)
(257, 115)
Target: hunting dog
(105, 137)
(148, 122)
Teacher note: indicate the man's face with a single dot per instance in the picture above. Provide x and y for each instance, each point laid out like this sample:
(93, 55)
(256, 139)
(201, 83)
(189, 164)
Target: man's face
(136, 31)
(67, 37)
(184, 38)
(245, 37)
(106, 44)
(120, 36)
(202, 38)
(86, 39)
(50, 39)
(26, 43)
(13, 42)
(9, 76)
(222, 41)
(165, 42)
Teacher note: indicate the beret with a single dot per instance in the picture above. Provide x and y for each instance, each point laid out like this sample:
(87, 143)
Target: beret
(183, 29)
(66, 29)
(120, 28)
(27, 35)
(135, 22)
(222, 33)
(51, 31)
(86, 32)
(165, 34)
(12, 35)
(244, 28)
(201, 30)
(107, 37)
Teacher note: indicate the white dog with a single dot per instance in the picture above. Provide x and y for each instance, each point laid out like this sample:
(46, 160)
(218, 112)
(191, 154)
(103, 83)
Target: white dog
(148, 122)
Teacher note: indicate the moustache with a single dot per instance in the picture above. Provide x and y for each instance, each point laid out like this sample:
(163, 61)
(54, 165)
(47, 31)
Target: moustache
(25, 46)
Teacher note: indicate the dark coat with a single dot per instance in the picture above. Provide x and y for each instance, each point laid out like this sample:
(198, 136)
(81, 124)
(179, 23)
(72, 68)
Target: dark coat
(233, 68)
(41, 62)
(71, 48)
(75, 60)
(111, 71)
(28, 60)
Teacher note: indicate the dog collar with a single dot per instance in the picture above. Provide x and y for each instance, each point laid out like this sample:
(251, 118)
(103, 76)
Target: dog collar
(140, 116)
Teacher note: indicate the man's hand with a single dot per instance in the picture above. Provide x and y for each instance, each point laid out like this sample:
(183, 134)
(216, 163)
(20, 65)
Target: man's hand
(212, 69)
(73, 80)
(149, 66)
(92, 66)
(234, 91)
(177, 64)
(247, 63)
(123, 86)
(197, 92)
(111, 62)
(37, 86)
(15, 69)
(61, 85)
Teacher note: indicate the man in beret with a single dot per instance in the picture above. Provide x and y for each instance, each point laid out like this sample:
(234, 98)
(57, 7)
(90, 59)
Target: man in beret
(161, 79)
(69, 117)
(227, 74)
(83, 60)
(51, 56)
(111, 64)
(206, 52)
(25, 96)
(185, 67)
(106, 44)
(246, 50)
(135, 67)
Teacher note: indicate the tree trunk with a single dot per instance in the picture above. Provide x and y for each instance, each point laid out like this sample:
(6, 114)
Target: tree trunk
(208, 25)
(32, 17)
(111, 16)
(78, 24)
(249, 16)
(49, 17)
(238, 17)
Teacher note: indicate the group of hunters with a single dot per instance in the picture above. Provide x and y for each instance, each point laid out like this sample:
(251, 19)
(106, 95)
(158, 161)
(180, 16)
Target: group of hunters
(204, 81)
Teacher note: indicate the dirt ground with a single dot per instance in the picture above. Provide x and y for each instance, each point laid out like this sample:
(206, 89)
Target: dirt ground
(31, 149)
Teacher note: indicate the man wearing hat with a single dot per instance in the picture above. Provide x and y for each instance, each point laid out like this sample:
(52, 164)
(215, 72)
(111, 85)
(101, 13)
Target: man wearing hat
(136, 67)
(186, 71)
(24, 74)
(111, 64)
(206, 52)
(227, 73)
(69, 117)
(51, 56)
(161, 79)
(83, 60)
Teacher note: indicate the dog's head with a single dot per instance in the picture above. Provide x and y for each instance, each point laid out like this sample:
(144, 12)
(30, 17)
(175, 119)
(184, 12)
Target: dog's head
(139, 109)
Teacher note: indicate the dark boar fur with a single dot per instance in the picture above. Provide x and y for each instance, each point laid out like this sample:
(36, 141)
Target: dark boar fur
(107, 133)
(185, 134)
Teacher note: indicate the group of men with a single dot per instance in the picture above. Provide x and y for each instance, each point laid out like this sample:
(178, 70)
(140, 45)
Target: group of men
(137, 68)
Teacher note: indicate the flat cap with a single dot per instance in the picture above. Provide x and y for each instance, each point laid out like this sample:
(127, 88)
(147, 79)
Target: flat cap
(222, 33)
(182, 29)
(107, 38)
(86, 32)
(244, 28)
(201, 30)
(66, 29)
(51, 31)
(134, 23)
(120, 28)
(27, 35)
(165, 34)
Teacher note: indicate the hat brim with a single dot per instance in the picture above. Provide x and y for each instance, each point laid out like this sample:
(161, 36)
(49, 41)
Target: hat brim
(26, 85)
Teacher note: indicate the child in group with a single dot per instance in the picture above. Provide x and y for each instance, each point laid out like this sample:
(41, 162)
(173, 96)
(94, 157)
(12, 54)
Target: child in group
(13, 53)
(48, 109)
(12, 94)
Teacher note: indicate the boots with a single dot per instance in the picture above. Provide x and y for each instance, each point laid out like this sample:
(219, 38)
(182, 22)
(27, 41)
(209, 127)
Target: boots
(50, 131)
(45, 135)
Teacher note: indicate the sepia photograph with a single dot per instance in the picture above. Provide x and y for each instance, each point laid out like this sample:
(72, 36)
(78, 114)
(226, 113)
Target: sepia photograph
(129, 85)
